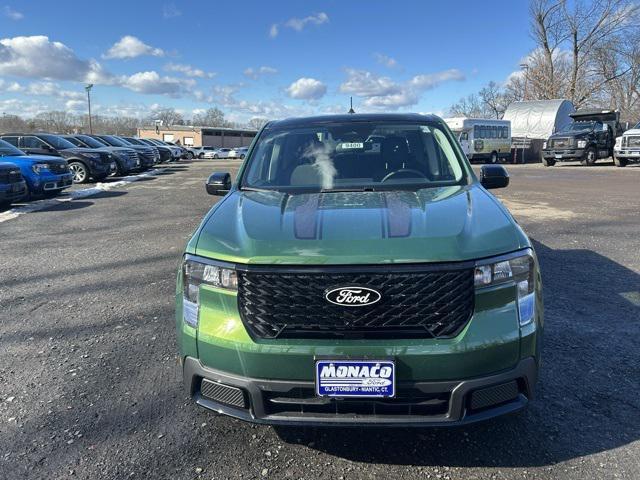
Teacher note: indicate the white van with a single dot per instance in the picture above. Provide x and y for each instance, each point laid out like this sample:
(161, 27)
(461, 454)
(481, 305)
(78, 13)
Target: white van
(483, 139)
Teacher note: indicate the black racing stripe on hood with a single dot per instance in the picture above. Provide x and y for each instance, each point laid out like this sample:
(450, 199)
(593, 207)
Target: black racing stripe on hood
(398, 216)
(305, 219)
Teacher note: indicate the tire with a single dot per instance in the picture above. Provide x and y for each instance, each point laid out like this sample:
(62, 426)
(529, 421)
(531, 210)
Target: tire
(548, 162)
(620, 162)
(493, 158)
(215, 156)
(80, 172)
(242, 157)
(590, 157)
(201, 156)
(190, 156)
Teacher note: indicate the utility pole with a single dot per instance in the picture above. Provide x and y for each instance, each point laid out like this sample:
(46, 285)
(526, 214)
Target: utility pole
(88, 89)
(525, 69)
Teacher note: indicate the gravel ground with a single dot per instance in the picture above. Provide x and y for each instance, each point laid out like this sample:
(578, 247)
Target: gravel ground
(90, 388)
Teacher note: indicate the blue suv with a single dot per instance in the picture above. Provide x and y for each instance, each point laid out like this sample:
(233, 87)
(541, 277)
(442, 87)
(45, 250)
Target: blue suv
(42, 174)
(12, 185)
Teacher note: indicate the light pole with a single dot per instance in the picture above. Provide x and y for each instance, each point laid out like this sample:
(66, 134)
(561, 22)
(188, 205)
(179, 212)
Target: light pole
(525, 68)
(88, 89)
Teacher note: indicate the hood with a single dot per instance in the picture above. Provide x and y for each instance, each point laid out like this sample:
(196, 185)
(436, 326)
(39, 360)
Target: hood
(430, 225)
(633, 131)
(67, 152)
(7, 166)
(33, 159)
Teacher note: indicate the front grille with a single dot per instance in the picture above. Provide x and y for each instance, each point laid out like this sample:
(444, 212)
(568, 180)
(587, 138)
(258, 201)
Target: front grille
(416, 302)
(10, 176)
(632, 141)
(408, 401)
(561, 143)
(58, 168)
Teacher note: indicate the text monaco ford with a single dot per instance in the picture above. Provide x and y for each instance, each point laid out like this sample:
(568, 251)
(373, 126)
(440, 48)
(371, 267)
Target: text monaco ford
(357, 272)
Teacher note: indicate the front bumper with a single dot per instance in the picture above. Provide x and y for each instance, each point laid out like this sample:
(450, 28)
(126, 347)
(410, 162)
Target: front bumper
(274, 402)
(58, 182)
(627, 153)
(564, 155)
(13, 192)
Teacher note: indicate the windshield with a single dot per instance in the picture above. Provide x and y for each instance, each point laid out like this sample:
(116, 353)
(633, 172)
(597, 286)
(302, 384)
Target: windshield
(116, 142)
(92, 142)
(8, 150)
(133, 141)
(581, 126)
(57, 142)
(354, 156)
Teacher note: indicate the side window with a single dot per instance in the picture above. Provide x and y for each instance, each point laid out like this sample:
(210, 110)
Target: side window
(464, 136)
(476, 131)
(494, 132)
(32, 142)
(12, 140)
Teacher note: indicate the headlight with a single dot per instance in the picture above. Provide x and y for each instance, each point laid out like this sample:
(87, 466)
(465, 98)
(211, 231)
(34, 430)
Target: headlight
(544, 145)
(39, 167)
(582, 143)
(94, 156)
(196, 273)
(518, 270)
(618, 142)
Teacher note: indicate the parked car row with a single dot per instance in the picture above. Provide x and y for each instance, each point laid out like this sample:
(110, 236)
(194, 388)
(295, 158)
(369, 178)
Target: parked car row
(217, 152)
(46, 164)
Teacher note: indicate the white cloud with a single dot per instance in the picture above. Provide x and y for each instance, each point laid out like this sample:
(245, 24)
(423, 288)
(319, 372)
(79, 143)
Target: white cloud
(387, 94)
(307, 89)
(385, 60)
(188, 70)
(38, 57)
(169, 10)
(75, 105)
(299, 24)
(255, 73)
(10, 87)
(152, 83)
(11, 13)
(131, 47)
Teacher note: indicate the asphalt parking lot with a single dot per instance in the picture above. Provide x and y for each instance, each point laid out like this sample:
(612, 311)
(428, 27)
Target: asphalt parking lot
(90, 387)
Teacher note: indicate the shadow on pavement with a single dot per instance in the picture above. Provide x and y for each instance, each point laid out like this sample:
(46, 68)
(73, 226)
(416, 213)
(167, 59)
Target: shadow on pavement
(587, 399)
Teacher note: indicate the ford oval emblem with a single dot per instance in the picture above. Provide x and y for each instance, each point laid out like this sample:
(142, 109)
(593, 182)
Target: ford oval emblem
(352, 296)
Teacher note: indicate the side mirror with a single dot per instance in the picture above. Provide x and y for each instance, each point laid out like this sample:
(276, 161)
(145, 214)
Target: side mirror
(494, 176)
(218, 184)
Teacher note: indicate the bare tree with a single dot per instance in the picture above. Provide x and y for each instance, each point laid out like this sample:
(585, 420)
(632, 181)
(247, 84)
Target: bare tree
(213, 117)
(548, 30)
(168, 117)
(257, 123)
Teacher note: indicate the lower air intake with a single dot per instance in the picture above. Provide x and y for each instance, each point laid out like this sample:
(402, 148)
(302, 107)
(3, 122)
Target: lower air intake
(491, 396)
(223, 393)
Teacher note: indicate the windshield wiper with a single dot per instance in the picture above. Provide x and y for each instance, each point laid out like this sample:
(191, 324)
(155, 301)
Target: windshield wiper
(256, 189)
(347, 189)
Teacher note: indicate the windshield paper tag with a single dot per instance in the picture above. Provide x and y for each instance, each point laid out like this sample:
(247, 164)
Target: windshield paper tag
(355, 378)
(352, 145)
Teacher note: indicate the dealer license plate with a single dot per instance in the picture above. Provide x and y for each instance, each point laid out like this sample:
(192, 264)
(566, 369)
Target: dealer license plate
(355, 378)
(558, 155)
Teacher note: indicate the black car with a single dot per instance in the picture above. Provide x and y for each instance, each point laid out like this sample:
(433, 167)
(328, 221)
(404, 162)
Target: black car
(12, 185)
(126, 159)
(148, 156)
(589, 138)
(84, 163)
(165, 153)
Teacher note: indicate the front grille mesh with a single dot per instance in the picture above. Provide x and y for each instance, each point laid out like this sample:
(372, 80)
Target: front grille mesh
(10, 177)
(632, 141)
(561, 143)
(491, 396)
(414, 304)
(223, 393)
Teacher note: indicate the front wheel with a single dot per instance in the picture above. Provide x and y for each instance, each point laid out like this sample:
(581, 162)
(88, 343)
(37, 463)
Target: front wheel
(190, 156)
(493, 158)
(548, 162)
(216, 156)
(79, 171)
(242, 157)
(590, 157)
(620, 162)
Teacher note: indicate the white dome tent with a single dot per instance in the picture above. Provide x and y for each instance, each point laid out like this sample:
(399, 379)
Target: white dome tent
(532, 122)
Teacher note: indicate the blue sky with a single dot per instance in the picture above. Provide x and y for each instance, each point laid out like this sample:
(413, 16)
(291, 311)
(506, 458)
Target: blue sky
(255, 58)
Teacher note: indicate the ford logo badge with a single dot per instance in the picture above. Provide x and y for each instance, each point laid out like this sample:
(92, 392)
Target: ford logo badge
(352, 296)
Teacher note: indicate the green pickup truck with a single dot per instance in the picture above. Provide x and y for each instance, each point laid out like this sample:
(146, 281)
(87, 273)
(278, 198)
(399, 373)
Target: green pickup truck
(357, 272)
